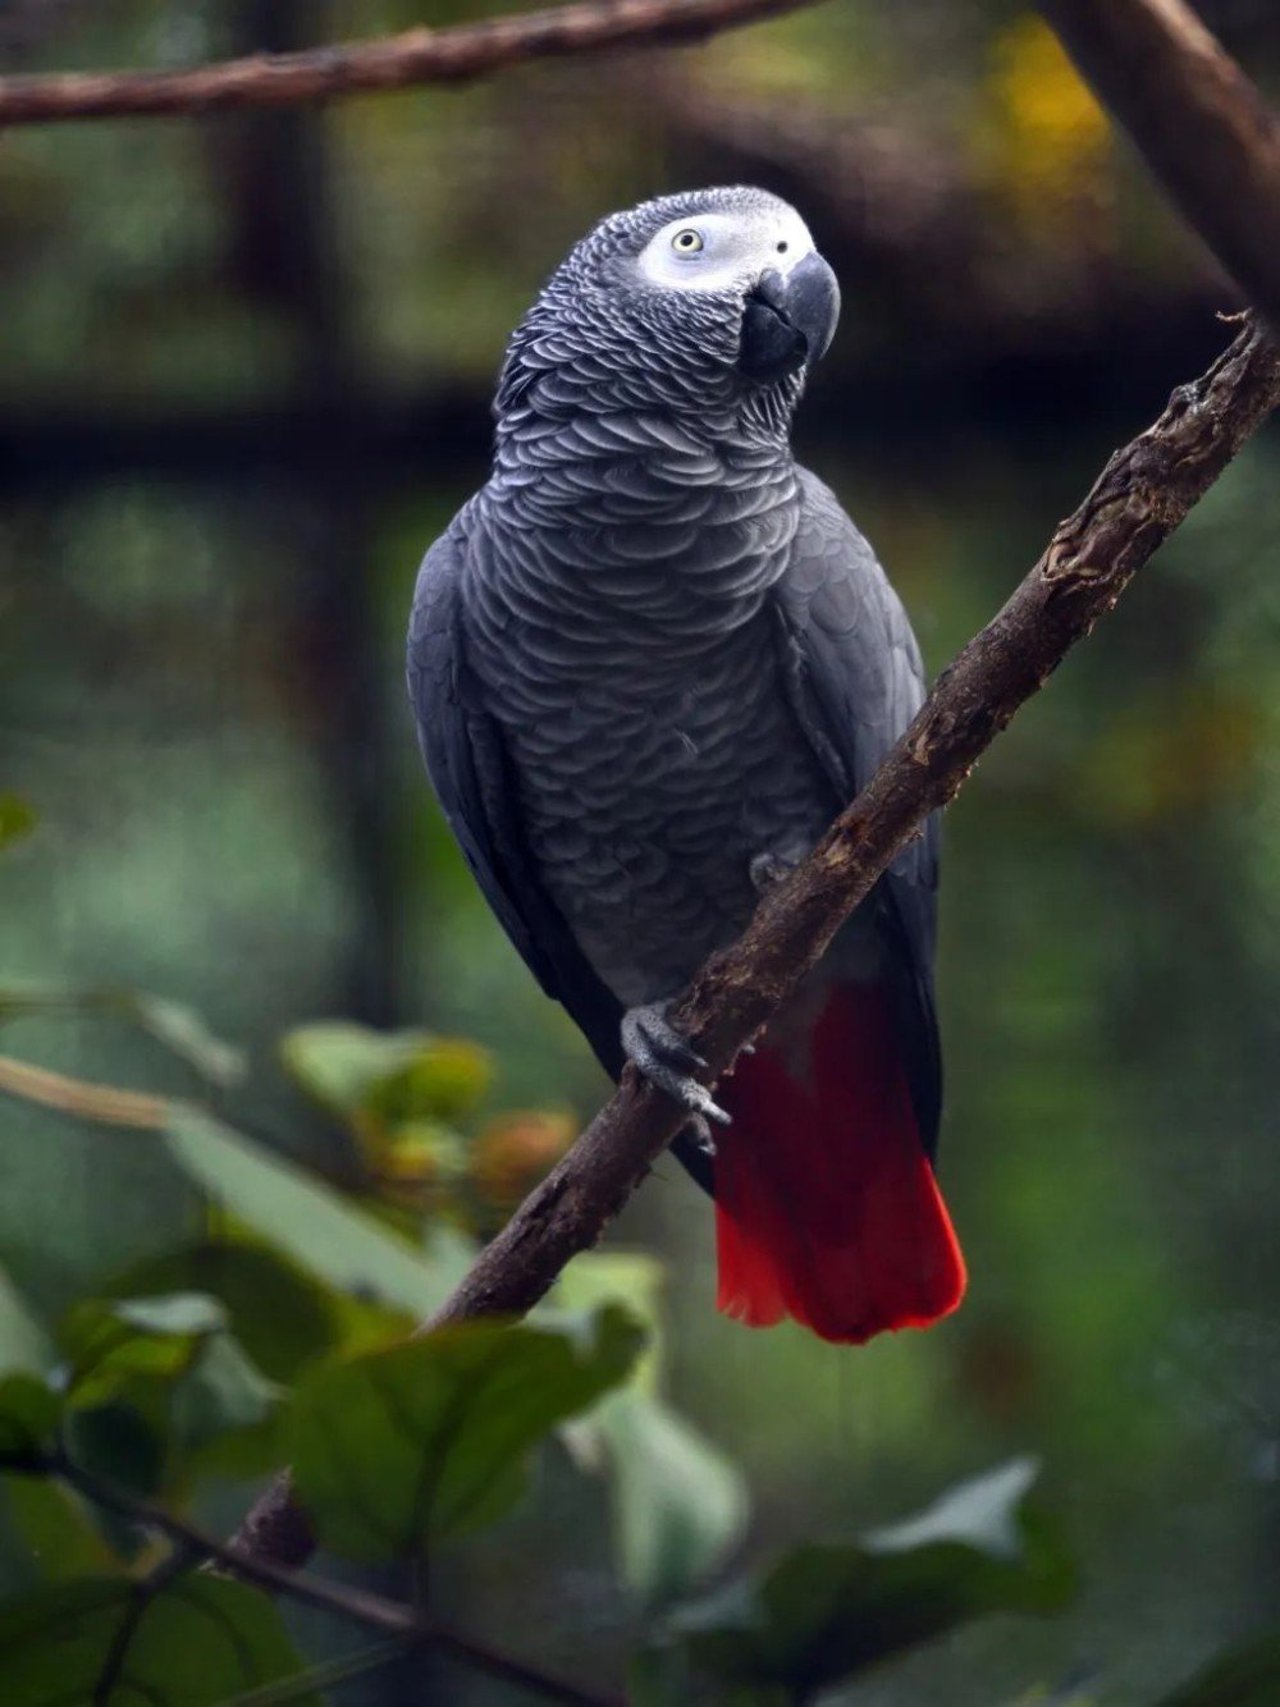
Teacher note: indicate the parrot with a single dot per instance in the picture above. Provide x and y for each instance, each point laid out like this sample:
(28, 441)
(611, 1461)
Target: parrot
(649, 661)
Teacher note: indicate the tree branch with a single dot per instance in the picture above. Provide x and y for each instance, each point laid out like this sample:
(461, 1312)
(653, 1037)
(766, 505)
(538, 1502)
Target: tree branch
(419, 56)
(1199, 122)
(1144, 492)
(360, 1605)
(107, 1104)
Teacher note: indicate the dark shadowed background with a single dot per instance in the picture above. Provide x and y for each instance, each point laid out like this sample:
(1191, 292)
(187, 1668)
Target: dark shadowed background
(245, 365)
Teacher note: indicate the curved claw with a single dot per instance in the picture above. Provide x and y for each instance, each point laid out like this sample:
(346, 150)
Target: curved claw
(699, 1129)
(768, 869)
(666, 1059)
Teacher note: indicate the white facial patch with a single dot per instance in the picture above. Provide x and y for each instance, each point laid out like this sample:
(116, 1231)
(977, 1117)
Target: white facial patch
(721, 251)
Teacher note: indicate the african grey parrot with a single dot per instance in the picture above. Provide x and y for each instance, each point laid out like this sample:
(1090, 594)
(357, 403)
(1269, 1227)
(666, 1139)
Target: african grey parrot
(649, 661)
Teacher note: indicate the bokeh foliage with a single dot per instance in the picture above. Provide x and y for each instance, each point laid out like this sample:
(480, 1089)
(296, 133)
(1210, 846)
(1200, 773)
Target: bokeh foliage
(297, 1348)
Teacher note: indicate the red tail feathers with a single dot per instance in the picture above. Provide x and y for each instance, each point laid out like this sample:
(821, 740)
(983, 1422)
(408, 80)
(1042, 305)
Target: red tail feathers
(826, 1205)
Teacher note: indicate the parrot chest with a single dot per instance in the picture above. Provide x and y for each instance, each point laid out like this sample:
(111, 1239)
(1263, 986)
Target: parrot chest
(620, 625)
(646, 795)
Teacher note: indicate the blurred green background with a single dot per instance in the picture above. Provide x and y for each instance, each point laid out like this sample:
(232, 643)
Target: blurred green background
(244, 379)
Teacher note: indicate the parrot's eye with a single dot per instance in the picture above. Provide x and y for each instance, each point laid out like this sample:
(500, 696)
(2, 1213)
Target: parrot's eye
(687, 242)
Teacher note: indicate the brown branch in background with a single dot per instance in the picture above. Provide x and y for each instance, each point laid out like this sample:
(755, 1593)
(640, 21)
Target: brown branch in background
(1141, 496)
(1199, 122)
(418, 56)
(107, 1104)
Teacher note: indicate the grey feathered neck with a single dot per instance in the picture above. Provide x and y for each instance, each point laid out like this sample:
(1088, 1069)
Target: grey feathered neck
(637, 477)
(598, 342)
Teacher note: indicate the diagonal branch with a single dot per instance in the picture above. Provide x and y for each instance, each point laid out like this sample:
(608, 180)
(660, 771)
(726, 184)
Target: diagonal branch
(1144, 492)
(344, 1600)
(1201, 125)
(404, 61)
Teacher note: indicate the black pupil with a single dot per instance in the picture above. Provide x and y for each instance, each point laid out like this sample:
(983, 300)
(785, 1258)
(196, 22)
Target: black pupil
(782, 248)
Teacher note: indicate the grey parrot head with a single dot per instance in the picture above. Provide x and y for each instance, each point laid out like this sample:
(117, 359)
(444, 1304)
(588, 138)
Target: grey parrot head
(705, 301)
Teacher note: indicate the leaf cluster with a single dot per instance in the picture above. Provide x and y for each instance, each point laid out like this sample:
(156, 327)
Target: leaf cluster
(284, 1334)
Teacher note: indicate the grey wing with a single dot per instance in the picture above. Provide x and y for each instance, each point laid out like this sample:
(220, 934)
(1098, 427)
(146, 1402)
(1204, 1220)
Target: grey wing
(471, 773)
(857, 681)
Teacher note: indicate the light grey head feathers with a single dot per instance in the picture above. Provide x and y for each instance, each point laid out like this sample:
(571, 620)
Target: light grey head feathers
(694, 303)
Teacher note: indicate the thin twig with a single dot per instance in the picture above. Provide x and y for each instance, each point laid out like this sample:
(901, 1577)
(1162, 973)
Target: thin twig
(107, 1104)
(345, 1601)
(419, 56)
(1144, 492)
(324, 1676)
(1199, 122)
(141, 1596)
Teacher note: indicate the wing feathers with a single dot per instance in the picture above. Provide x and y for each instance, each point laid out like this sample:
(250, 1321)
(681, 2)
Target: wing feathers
(856, 681)
(469, 769)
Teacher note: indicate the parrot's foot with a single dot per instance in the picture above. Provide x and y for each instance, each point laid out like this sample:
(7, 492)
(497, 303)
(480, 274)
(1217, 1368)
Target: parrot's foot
(663, 1056)
(767, 870)
(699, 1130)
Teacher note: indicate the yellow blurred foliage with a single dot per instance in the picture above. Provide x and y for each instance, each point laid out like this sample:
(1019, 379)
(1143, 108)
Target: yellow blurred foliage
(513, 1153)
(1043, 137)
(420, 1161)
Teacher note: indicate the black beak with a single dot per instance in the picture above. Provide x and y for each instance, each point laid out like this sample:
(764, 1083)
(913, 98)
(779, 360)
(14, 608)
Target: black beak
(789, 322)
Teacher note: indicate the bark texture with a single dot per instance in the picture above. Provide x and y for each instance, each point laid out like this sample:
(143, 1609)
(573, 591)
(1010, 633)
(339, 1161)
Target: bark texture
(416, 57)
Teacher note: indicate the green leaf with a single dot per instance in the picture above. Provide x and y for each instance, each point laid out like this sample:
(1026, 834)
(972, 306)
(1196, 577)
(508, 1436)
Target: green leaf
(29, 1412)
(824, 1613)
(198, 1642)
(17, 819)
(679, 1506)
(444, 1081)
(225, 1415)
(304, 1216)
(24, 1345)
(391, 1077)
(1247, 1676)
(180, 1315)
(111, 1341)
(337, 1062)
(421, 1156)
(984, 1514)
(172, 1362)
(401, 1447)
(53, 1531)
(633, 1279)
(184, 1033)
(277, 1311)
